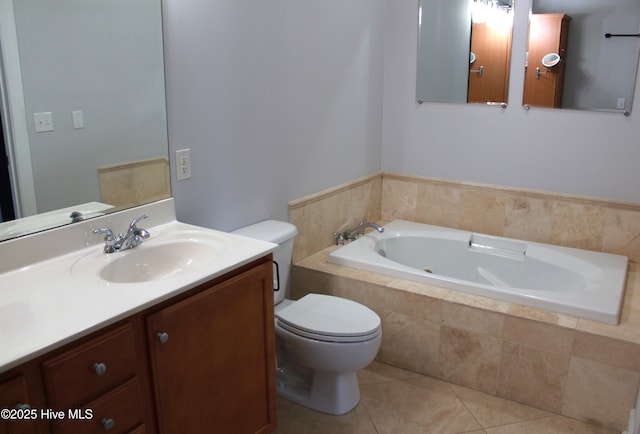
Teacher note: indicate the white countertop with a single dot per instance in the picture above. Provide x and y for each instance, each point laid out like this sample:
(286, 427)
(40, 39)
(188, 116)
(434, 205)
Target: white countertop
(43, 306)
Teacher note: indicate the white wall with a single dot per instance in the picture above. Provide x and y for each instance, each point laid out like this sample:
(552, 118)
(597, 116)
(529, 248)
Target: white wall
(276, 100)
(282, 99)
(575, 152)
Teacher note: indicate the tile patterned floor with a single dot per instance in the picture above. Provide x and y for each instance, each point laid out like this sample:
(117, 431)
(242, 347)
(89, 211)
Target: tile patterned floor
(395, 401)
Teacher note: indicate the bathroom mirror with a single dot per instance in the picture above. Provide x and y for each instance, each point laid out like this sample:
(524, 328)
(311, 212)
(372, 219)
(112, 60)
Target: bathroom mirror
(83, 113)
(464, 51)
(598, 45)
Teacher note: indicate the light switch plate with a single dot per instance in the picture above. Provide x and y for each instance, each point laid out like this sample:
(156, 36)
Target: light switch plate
(78, 119)
(43, 121)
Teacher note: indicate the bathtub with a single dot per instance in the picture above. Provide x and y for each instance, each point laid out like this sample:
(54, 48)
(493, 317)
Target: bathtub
(577, 282)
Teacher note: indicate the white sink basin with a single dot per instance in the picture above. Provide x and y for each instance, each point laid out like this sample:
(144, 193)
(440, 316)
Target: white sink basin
(162, 257)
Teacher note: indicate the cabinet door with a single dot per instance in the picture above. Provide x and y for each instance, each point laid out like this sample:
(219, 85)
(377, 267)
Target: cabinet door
(14, 395)
(213, 358)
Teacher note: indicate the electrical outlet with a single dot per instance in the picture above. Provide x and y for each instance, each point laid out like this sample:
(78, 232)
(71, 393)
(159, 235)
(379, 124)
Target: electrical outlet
(621, 103)
(183, 164)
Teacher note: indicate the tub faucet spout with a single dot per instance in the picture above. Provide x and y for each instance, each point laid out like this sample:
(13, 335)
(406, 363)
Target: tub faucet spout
(352, 234)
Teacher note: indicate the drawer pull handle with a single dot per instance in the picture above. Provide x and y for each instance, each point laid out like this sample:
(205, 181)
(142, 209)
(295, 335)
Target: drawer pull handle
(108, 423)
(99, 368)
(22, 407)
(163, 337)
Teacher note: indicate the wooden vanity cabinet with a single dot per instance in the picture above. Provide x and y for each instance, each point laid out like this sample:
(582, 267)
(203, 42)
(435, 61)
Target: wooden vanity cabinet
(14, 394)
(213, 358)
(214, 374)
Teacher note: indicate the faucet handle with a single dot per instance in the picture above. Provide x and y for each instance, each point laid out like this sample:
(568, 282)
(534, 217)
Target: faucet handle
(133, 225)
(109, 235)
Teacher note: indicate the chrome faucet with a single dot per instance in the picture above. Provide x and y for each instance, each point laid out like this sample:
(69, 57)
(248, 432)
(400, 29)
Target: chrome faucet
(352, 234)
(131, 239)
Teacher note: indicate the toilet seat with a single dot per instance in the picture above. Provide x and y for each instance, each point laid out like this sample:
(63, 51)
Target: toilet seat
(330, 319)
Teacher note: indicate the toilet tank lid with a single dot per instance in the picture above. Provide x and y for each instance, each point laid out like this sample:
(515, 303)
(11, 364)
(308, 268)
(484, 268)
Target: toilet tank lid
(273, 231)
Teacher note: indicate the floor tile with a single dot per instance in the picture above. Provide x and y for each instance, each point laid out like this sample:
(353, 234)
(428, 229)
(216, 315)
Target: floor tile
(378, 372)
(492, 411)
(550, 425)
(396, 401)
(296, 419)
(429, 407)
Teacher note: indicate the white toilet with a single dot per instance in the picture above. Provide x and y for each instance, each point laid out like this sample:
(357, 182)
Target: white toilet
(321, 340)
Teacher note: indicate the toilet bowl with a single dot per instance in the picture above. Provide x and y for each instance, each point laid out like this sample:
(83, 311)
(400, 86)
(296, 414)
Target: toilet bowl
(321, 340)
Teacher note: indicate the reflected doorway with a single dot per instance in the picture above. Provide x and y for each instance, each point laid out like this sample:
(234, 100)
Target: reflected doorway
(7, 211)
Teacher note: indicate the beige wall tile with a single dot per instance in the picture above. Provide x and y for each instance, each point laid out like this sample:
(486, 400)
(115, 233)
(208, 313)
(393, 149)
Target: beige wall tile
(622, 232)
(527, 218)
(399, 198)
(536, 334)
(372, 296)
(469, 359)
(472, 319)
(415, 305)
(319, 216)
(533, 376)
(612, 352)
(410, 343)
(317, 221)
(481, 211)
(600, 394)
(438, 204)
(365, 200)
(576, 224)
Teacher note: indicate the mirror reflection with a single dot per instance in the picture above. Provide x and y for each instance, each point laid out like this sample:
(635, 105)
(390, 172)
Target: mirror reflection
(464, 50)
(84, 113)
(573, 58)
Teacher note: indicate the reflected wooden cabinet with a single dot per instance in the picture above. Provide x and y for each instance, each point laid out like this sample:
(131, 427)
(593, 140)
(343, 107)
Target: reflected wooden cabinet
(213, 358)
(543, 86)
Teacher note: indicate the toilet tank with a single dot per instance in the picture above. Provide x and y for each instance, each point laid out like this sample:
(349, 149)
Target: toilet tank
(281, 233)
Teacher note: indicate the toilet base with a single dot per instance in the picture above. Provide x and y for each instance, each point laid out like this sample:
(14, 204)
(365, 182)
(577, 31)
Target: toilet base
(328, 392)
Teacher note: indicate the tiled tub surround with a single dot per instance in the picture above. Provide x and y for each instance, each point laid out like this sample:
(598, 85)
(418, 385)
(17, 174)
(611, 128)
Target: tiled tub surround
(571, 221)
(575, 367)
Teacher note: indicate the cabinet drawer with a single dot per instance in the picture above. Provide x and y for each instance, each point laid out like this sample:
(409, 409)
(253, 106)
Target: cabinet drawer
(90, 369)
(118, 411)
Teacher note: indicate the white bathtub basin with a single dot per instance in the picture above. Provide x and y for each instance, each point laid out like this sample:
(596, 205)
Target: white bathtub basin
(577, 282)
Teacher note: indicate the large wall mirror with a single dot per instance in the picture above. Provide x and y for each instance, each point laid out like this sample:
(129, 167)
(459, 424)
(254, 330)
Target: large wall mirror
(83, 110)
(582, 54)
(464, 51)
